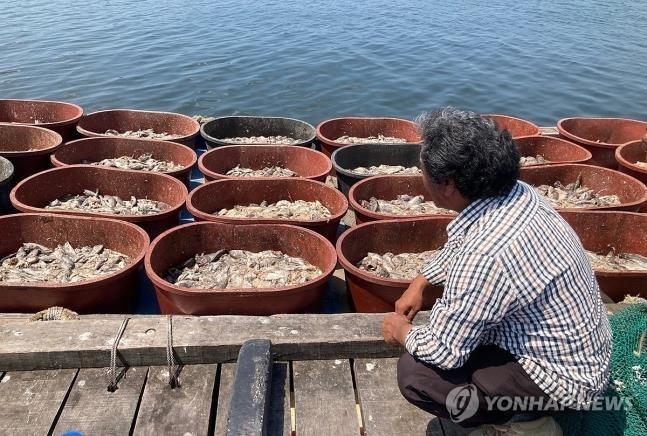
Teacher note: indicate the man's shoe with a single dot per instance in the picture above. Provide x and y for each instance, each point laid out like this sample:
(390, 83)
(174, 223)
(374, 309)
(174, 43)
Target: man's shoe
(545, 426)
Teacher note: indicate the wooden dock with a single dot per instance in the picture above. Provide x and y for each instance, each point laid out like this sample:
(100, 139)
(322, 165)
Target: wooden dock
(329, 375)
(325, 374)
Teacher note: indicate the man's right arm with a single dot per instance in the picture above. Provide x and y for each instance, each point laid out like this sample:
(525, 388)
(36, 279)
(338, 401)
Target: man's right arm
(433, 273)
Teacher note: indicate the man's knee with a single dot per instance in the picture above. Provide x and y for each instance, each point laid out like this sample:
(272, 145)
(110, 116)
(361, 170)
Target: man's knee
(406, 369)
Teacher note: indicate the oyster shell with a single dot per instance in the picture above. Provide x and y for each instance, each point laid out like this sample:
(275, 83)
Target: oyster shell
(575, 195)
(240, 269)
(405, 205)
(92, 201)
(403, 266)
(379, 139)
(283, 209)
(35, 263)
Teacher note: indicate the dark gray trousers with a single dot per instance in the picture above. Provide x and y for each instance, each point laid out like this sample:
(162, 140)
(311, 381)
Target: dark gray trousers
(490, 370)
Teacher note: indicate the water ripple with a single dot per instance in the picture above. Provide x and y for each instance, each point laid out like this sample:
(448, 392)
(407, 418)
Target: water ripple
(541, 60)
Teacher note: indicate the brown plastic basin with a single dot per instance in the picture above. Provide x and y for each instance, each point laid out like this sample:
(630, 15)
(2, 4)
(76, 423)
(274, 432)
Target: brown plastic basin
(96, 149)
(122, 120)
(371, 293)
(631, 192)
(601, 136)
(554, 150)
(516, 126)
(211, 197)
(35, 192)
(386, 188)
(362, 127)
(601, 230)
(628, 154)
(54, 115)
(307, 163)
(112, 293)
(27, 147)
(176, 245)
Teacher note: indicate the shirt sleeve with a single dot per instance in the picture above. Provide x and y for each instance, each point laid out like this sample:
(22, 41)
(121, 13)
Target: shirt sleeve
(436, 268)
(477, 294)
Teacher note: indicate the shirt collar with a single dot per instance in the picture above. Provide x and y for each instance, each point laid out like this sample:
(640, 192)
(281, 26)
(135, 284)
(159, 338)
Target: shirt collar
(476, 209)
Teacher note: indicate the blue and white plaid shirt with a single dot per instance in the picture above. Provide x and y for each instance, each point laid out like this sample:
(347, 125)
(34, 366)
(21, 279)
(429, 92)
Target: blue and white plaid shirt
(516, 275)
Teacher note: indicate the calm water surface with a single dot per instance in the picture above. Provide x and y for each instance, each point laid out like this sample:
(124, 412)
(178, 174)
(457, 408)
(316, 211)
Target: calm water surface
(540, 60)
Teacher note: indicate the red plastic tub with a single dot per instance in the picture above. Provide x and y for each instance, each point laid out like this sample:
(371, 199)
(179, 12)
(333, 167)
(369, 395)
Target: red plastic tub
(122, 120)
(554, 150)
(628, 154)
(369, 292)
(601, 230)
(28, 148)
(601, 136)
(176, 245)
(362, 127)
(111, 293)
(632, 193)
(211, 197)
(90, 150)
(54, 115)
(307, 163)
(35, 192)
(516, 126)
(386, 188)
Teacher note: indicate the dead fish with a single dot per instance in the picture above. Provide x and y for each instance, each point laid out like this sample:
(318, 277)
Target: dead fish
(277, 139)
(145, 162)
(527, 161)
(379, 139)
(273, 171)
(405, 205)
(385, 169)
(144, 133)
(236, 269)
(92, 201)
(34, 263)
(403, 266)
(283, 209)
(612, 261)
(575, 195)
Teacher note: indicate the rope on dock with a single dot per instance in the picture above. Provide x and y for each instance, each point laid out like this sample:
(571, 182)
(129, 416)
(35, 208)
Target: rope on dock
(112, 385)
(173, 369)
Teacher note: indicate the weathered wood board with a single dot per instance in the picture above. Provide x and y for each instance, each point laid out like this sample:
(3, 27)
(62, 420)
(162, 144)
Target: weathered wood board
(324, 399)
(385, 412)
(183, 410)
(86, 343)
(32, 400)
(91, 409)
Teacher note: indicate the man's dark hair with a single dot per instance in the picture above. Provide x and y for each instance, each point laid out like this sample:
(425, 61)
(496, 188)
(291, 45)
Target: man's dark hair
(470, 150)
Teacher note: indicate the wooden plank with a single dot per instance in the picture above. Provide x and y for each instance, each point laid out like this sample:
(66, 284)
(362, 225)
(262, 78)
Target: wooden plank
(250, 399)
(183, 410)
(280, 424)
(210, 339)
(86, 343)
(324, 399)
(32, 399)
(225, 387)
(91, 409)
(384, 409)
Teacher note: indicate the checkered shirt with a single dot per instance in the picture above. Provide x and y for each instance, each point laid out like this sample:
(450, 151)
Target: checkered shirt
(516, 275)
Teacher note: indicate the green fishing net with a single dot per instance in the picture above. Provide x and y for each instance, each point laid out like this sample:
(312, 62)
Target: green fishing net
(628, 382)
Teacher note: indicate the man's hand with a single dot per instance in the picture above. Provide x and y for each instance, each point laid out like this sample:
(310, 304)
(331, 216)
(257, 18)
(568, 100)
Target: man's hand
(410, 303)
(395, 328)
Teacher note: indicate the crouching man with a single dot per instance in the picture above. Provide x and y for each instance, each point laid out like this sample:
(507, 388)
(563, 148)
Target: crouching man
(520, 315)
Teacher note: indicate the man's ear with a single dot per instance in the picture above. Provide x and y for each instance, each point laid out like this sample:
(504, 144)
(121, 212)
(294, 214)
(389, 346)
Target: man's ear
(449, 188)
